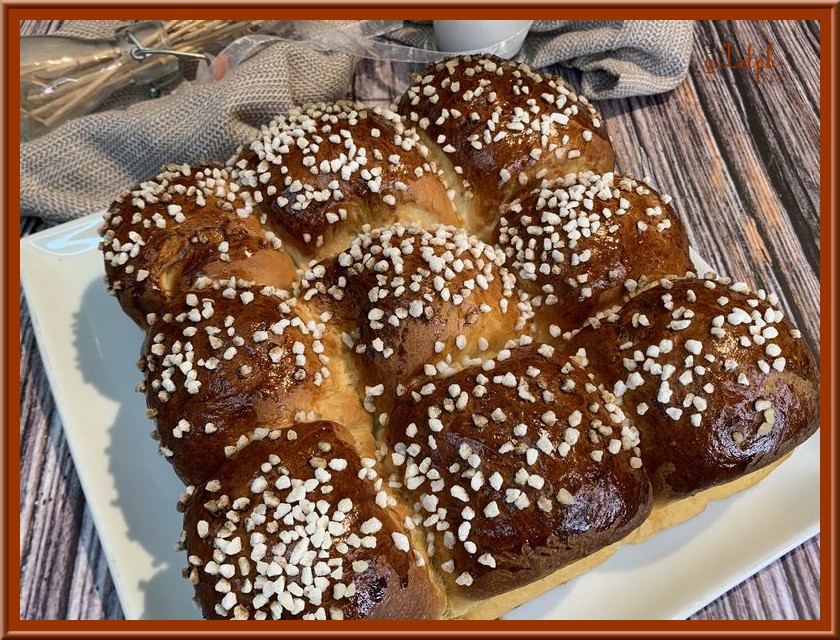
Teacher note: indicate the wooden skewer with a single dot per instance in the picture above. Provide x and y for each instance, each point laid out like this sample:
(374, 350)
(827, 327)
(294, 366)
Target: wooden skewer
(62, 66)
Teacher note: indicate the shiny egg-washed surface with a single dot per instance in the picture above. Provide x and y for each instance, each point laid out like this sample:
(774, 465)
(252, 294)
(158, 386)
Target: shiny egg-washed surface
(406, 309)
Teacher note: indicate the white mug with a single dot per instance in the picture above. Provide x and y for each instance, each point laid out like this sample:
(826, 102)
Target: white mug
(502, 37)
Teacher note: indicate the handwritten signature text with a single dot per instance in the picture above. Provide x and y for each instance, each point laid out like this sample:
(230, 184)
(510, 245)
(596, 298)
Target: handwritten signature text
(729, 58)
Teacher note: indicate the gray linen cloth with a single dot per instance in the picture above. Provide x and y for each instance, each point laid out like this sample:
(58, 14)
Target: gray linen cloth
(617, 58)
(81, 166)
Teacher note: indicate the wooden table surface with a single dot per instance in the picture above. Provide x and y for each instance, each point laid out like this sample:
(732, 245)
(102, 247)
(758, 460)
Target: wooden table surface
(741, 160)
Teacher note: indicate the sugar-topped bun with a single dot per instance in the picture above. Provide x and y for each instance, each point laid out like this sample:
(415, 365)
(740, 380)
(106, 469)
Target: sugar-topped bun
(290, 529)
(579, 244)
(414, 302)
(718, 382)
(430, 365)
(223, 363)
(516, 468)
(184, 226)
(501, 127)
(319, 173)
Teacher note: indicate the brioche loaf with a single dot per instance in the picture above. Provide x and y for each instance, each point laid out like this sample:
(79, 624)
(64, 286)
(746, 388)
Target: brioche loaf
(430, 363)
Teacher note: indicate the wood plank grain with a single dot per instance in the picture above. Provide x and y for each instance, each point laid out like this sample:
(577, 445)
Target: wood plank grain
(48, 502)
(761, 217)
(802, 566)
(738, 214)
(783, 132)
(742, 162)
(772, 594)
(39, 27)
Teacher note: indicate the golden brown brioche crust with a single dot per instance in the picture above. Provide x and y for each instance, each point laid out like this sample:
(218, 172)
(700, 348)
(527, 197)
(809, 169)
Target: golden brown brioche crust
(319, 173)
(500, 126)
(291, 528)
(516, 468)
(183, 227)
(221, 364)
(581, 244)
(416, 303)
(322, 275)
(717, 381)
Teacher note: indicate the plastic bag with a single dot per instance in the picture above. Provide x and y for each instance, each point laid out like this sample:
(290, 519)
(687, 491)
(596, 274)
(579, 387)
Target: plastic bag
(361, 38)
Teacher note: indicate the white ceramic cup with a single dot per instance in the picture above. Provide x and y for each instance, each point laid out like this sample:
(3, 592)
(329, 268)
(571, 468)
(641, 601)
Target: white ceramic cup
(502, 37)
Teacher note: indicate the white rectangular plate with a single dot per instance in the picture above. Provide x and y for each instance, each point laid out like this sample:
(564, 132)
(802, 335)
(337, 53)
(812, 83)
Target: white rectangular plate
(89, 348)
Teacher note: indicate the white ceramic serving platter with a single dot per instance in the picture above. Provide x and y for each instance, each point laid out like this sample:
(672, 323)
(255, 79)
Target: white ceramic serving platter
(89, 349)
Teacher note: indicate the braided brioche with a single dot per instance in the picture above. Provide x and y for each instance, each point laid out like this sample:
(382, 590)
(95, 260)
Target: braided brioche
(430, 363)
